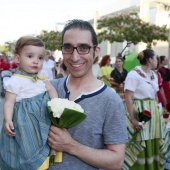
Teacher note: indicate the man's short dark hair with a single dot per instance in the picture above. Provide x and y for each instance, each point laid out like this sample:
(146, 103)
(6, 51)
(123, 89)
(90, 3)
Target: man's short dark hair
(82, 25)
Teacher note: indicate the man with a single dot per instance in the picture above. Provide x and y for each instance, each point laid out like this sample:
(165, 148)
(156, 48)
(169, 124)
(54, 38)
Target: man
(99, 140)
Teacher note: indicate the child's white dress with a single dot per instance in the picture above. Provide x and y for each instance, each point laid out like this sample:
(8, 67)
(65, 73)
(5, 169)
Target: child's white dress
(29, 148)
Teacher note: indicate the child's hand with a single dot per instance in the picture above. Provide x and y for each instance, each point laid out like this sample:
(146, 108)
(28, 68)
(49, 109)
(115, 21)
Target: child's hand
(9, 128)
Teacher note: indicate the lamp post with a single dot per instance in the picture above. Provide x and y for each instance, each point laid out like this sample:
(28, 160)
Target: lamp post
(127, 45)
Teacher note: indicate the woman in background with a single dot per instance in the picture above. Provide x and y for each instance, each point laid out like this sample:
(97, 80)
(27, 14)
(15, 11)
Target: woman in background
(160, 93)
(119, 75)
(106, 69)
(148, 141)
(165, 74)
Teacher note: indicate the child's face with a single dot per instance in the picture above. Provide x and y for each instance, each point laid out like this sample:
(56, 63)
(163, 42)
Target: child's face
(31, 58)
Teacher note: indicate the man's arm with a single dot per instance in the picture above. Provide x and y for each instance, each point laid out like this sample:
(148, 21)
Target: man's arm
(110, 158)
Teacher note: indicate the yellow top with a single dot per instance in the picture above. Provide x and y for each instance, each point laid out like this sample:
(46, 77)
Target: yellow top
(106, 71)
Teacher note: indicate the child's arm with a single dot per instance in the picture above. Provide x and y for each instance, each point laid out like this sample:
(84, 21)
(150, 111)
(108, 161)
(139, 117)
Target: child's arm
(51, 90)
(8, 112)
(163, 96)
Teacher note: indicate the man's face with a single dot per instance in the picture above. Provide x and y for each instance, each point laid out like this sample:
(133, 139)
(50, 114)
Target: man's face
(79, 65)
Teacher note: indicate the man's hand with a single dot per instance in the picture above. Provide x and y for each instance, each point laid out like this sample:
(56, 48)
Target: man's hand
(59, 139)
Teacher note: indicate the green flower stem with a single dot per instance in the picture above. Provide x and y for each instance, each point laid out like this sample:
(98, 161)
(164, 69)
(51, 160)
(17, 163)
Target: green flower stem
(51, 161)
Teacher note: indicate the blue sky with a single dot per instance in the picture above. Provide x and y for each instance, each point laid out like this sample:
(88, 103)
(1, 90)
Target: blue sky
(23, 17)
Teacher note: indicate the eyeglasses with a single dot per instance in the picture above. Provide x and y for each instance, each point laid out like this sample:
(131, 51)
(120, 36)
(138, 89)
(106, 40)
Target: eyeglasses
(82, 49)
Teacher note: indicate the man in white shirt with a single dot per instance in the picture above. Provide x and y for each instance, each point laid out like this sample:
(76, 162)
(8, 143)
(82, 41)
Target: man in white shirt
(49, 66)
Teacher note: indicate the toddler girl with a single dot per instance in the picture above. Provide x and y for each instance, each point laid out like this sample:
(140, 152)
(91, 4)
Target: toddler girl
(23, 140)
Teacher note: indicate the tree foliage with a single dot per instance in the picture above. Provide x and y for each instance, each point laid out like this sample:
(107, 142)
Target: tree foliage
(130, 28)
(166, 6)
(51, 39)
(4, 49)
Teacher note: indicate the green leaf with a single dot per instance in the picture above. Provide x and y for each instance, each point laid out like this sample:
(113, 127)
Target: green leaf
(70, 118)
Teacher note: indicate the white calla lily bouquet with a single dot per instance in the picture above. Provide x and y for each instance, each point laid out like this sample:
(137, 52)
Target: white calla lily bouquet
(63, 113)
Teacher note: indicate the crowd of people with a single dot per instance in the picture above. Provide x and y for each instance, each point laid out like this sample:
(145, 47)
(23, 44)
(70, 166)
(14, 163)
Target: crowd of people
(124, 128)
(145, 88)
(7, 63)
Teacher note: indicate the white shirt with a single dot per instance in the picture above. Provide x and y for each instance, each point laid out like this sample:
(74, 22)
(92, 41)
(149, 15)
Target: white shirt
(24, 87)
(48, 66)
(143, 87)
(96, 70)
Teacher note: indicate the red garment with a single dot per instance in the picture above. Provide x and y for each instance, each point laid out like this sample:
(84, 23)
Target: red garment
(160, 86)
(1, 60)
(165, 74)
(166, 87)
(14, 65)
(5, 65)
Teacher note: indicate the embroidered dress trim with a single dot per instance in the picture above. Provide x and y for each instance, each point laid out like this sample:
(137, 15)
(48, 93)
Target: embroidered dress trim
(33, 77)
(143, 75)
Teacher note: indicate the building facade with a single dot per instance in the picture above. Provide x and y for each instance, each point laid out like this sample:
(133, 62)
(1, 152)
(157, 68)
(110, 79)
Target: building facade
(152, 11)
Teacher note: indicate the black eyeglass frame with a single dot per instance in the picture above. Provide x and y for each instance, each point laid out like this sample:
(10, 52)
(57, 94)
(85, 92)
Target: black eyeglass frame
(73, 48)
